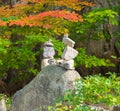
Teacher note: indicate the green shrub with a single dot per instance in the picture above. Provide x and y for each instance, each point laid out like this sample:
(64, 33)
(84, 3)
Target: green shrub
(91, 90)
(90, 61)
(20, 58)
(102, 90)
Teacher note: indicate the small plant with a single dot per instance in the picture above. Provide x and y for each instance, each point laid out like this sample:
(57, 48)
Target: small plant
(91, 90)
(102, 90)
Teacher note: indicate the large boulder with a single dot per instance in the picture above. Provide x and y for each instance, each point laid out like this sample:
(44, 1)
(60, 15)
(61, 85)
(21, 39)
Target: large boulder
(41, 92)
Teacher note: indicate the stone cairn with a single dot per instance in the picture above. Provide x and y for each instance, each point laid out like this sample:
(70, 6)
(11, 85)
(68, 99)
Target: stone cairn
(68, 55)
(48, 54)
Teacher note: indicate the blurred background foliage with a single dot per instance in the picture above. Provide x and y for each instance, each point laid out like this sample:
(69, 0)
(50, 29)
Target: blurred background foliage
(21, 45)
(26, 24)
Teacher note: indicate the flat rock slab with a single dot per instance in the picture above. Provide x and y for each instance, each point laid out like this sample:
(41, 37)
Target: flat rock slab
(41, 92)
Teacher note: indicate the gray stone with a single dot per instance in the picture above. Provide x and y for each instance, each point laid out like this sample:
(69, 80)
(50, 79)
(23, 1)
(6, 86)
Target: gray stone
(49, 51)
(69, 53)
(49, 84)
(44, 63)
(48, 54)
(2, 105)
(68, 64)
(67, 41)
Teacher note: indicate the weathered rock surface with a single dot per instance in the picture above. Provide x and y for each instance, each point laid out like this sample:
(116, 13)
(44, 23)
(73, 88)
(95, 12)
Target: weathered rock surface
(49, 84)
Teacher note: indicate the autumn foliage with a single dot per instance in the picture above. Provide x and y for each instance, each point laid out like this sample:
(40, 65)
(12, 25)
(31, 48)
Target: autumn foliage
(43, 13)
(41, 19)
(2, 23)
(71, 4)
